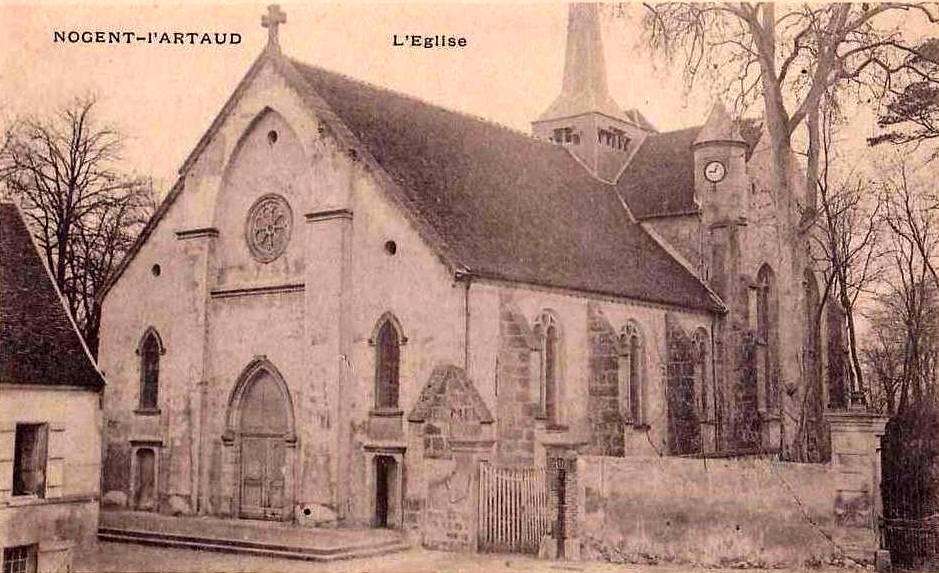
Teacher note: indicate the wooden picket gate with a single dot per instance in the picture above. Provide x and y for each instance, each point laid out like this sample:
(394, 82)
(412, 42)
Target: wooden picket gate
(514, 513)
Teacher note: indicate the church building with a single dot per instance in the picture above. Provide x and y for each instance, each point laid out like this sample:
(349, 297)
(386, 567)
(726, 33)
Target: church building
(350, 292)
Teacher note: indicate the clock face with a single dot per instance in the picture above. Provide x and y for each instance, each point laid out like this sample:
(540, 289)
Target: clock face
(714, 171)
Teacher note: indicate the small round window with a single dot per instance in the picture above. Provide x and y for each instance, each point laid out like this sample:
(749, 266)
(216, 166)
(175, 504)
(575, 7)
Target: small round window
(267, 230)
(155, 270)
(391, 247)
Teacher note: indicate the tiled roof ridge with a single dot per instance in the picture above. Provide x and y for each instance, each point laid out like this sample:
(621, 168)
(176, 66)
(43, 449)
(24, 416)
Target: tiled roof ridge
(417, 99)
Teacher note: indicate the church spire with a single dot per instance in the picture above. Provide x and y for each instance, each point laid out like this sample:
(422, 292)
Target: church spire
(584, 88)
(584, 118)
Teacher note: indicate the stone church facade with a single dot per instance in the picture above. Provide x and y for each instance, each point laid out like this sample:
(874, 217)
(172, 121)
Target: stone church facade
(349, 294)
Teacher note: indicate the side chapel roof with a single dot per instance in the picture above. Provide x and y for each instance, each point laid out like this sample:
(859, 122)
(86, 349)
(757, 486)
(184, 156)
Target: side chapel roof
(659, 179)
(39, 343)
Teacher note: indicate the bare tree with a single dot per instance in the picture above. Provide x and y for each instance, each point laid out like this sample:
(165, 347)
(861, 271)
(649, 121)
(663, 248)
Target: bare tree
(83, 210)
(882, 356)
(909, 316)
(847, 247)
(790, 57)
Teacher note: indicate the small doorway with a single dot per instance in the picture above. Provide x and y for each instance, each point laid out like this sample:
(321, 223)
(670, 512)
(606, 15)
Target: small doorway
(385, 473)
(144, 494)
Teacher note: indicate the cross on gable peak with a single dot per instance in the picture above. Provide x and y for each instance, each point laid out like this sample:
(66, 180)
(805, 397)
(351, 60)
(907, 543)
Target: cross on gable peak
(272, 21)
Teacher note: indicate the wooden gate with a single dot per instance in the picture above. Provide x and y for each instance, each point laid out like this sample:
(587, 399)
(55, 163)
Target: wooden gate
(513, 508)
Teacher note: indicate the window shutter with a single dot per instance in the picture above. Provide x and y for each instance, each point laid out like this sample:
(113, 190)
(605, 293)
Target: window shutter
(7, 441)
(55, 462)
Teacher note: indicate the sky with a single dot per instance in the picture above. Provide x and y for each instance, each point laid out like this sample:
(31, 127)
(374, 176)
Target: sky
(164, 97)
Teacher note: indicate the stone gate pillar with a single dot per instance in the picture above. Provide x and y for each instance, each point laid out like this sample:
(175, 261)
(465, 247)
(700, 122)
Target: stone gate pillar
(560, 456)
(855, 459)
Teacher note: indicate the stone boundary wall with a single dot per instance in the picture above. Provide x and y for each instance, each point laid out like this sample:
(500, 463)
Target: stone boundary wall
(716, 512)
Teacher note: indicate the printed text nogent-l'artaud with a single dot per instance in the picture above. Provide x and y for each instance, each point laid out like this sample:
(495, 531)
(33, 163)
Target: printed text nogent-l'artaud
(160, 38)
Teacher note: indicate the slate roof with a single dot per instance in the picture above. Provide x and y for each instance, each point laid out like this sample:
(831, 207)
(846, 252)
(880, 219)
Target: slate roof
(507, 206)
(659, 180)
(38, 341)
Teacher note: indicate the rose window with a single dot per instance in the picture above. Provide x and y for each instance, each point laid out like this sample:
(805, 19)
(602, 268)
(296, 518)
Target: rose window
(268, 229)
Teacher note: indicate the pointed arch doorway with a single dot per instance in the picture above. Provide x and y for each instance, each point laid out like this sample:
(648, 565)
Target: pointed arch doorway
(261, 429)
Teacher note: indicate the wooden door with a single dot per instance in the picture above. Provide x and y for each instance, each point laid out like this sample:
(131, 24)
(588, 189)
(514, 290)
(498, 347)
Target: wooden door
(262, 477)
(384, 481)
(264, 430)
(146, 479)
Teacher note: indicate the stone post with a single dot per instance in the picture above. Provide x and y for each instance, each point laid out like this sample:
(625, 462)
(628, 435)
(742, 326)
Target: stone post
(560, 456)
(855, 459)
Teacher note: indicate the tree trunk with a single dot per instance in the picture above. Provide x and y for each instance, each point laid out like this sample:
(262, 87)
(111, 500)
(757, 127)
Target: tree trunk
(812, 163)
(857, 390)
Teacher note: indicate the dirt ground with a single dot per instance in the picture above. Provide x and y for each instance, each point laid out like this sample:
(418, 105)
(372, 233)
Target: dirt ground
(119, 557)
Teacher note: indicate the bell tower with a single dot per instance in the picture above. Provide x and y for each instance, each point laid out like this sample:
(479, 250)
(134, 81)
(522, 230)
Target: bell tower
(584, 118)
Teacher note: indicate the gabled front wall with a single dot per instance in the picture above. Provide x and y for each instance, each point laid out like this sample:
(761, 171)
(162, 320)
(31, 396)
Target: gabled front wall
(310, 313)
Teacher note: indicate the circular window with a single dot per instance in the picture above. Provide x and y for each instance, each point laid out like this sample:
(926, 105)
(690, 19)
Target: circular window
(268, 227)
(155, 270)
(272, 137)
(391, 247)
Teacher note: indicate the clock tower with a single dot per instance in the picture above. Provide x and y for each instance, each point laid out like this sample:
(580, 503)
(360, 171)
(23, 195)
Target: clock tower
(720, 178)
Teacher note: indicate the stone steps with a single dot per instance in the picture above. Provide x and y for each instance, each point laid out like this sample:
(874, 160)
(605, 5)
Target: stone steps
(255, 548)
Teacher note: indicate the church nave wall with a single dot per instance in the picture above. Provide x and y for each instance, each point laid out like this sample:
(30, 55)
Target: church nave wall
(506, 365)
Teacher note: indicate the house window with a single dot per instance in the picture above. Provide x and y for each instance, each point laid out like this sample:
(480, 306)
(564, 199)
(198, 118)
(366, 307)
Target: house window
(150, 350)
(19, 559)
(548, 335)
(631, 388)
(387, 365)
(29, 460)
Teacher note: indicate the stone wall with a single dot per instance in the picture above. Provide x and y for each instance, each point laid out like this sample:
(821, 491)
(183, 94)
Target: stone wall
(66, 516)
(717, 512)
(449, 516)
(603, 403)
(516, 407)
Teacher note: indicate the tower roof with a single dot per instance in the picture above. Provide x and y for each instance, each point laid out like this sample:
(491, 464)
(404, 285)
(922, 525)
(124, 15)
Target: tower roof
(584, 89)
(719, 127)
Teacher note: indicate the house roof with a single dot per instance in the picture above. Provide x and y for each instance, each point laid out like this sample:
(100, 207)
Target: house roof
(659, 180)
(506, 205)
(39, 343)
